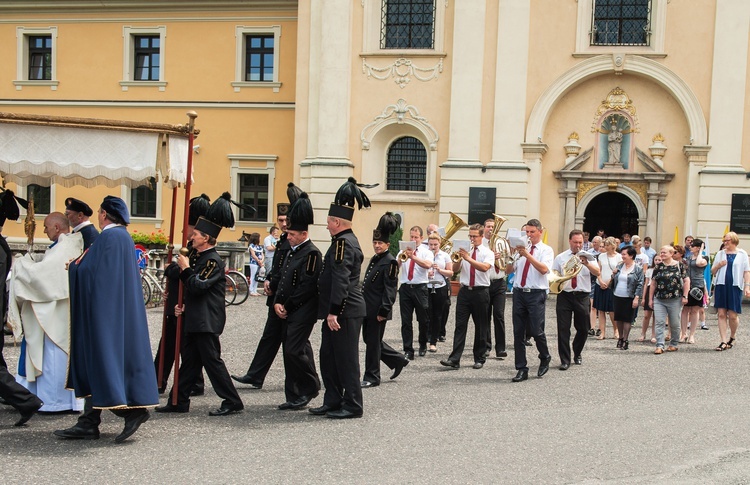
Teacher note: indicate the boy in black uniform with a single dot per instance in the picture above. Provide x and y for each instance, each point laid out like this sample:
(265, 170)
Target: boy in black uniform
(296, 305)
(379, 289)
(342, 307)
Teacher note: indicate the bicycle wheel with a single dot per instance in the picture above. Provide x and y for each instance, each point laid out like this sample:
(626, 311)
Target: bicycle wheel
(243, 288)
(230, 293)
(146, 290)
(157, 291)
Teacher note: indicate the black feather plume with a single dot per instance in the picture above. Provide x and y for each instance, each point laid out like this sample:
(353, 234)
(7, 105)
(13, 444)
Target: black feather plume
(300, 214)
(349, 194)
(198, 207)
(388, 223)
(220, 211)
(10, 205)
(292, 192)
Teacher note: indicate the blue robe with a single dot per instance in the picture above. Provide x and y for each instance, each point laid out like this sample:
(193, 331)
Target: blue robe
(110, 352)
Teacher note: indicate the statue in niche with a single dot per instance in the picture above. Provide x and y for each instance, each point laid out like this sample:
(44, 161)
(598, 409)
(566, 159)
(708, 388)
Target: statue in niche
(615, 138)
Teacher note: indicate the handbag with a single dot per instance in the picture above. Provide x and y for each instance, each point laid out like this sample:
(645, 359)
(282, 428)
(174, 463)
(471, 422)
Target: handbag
(260, 276)
(696, 293)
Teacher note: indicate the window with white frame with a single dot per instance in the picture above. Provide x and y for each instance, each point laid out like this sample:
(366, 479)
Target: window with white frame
(621, 26)
(143, 57)
(36, 57)
(257, 57)
(42, 197)
(407, 165)
(143, 200)
(253, 178)
(407, 24)
(621, 22)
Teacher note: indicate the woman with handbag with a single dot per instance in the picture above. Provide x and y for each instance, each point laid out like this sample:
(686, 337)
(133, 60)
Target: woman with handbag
(627, 287)
(731, 271)
(603, 300)
(670, 293)
(696, 266)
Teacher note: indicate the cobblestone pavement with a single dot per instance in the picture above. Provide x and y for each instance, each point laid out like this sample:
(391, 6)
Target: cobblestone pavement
(621, 417)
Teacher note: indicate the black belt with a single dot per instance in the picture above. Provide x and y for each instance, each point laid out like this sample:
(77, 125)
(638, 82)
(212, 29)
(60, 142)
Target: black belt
(415, 285)
(578, 292)
(472, 288)
(529, 290)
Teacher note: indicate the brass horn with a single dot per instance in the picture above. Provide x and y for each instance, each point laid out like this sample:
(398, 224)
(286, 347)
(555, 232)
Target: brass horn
(571, 268)
(454, 224)
(500, 244)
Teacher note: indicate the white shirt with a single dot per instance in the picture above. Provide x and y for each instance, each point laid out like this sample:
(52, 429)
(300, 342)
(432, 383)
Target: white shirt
(608, 265)
(494, 272)
(420, 273)
(583, 280)
(534, 279)
(269, 241)
(481, 278)
(442, 259)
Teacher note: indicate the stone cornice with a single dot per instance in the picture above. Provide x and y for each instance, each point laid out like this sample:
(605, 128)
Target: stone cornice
(99, 6)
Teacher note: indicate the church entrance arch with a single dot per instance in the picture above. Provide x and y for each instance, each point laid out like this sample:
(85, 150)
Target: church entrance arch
(613, 212)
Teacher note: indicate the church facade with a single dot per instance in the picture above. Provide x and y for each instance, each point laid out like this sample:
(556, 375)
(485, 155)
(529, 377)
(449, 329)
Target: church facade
(621, 115)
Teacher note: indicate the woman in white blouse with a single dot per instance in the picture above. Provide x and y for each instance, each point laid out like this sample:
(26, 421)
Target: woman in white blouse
(731, 271)
(603, 299)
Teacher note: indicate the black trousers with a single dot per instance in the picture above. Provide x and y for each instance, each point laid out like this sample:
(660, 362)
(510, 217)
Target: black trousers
(204, 349)
(14, 393)
(339, 365)
(413, 299)
(471, 302)
(91, 418)
(299, 360)
(438, 301)
(496, 314)
(528, 311)
(446, 313)
(573, 304)
(169, 337)
(268, 347)
(377, 350)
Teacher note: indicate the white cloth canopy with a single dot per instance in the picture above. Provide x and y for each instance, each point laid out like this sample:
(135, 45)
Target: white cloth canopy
(91, 154)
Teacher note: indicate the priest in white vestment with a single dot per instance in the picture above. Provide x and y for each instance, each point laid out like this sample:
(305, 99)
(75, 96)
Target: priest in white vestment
(39, 311)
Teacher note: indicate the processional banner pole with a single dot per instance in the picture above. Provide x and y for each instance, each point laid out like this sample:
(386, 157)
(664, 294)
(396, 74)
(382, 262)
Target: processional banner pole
(170, 252)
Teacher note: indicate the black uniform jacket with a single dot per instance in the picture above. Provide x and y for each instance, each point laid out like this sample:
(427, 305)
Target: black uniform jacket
(340, 293)
(297, 290)
(380, 285)
(282, 249)
(204, 287)
(172, 274)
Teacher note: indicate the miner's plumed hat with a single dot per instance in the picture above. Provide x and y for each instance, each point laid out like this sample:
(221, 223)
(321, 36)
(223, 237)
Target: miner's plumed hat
(198, 207)
(116, 206)
(348, 195)
(292, 193)
(387, 225)
(300, 214)
(9, 206)
(207, 227)
(76, 205)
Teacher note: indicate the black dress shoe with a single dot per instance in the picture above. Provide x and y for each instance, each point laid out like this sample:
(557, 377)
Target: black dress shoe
(478, 365)
(527, 342)
(486, 353)
(366, 384)
(502, 355)
(168, 408)
(409, 355)
(578, 360)
(522, 375)
(564, 366)
(442, 339)
(450, 363)
(543, 367)
(248, 380)
(422, 351)
(301, 401)
(132, 423)
(284, 406)
(343, 414)
(322, 410)
(397, 370)
(196, 392)
(4, 402)
(78, 433)
(224, 411)
(26, 414)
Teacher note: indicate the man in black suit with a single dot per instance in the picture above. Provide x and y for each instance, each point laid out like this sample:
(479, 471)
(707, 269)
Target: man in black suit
(204, 319)
(270, 341)
(379, 289)
(296, 306)
(78, 213)
(342, 307)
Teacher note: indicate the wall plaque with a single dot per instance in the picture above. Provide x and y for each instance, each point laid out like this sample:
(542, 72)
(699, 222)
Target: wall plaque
(739, 220)
(481, 204)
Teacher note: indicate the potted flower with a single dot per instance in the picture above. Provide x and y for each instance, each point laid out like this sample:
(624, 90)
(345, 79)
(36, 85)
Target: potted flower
(152, 240)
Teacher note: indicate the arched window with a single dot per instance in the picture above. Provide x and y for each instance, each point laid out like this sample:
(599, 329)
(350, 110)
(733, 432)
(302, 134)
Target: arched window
(407, 165)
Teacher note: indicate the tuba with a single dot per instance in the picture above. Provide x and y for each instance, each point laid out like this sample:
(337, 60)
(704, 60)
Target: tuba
(454, 224)
(571, 268)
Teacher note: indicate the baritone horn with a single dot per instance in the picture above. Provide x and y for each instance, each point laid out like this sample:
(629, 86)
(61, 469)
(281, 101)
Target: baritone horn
(454, 224)
(499, 244)
(571, 268)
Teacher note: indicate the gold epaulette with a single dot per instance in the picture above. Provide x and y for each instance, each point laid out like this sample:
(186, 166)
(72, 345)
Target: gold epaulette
(312, 263)
(209, 269)
(393, 270)
(340, 249)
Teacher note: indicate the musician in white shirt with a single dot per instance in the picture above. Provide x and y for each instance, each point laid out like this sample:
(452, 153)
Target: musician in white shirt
(412, 293)
(498, 287)
(438, 289)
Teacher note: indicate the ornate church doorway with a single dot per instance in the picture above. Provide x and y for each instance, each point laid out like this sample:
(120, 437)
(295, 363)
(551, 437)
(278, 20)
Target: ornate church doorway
(613, 212)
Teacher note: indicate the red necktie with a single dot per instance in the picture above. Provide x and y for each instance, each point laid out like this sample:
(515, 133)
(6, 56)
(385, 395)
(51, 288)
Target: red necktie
(472, 271)
(526, 268)
(411, 269)
(574, 282)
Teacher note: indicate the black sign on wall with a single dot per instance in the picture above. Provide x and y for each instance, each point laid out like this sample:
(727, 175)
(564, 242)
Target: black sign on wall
(481, 204)
(739, 220)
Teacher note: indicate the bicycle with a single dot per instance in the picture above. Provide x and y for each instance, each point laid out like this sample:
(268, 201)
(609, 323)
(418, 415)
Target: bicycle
(238, 288)
(152, 280)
